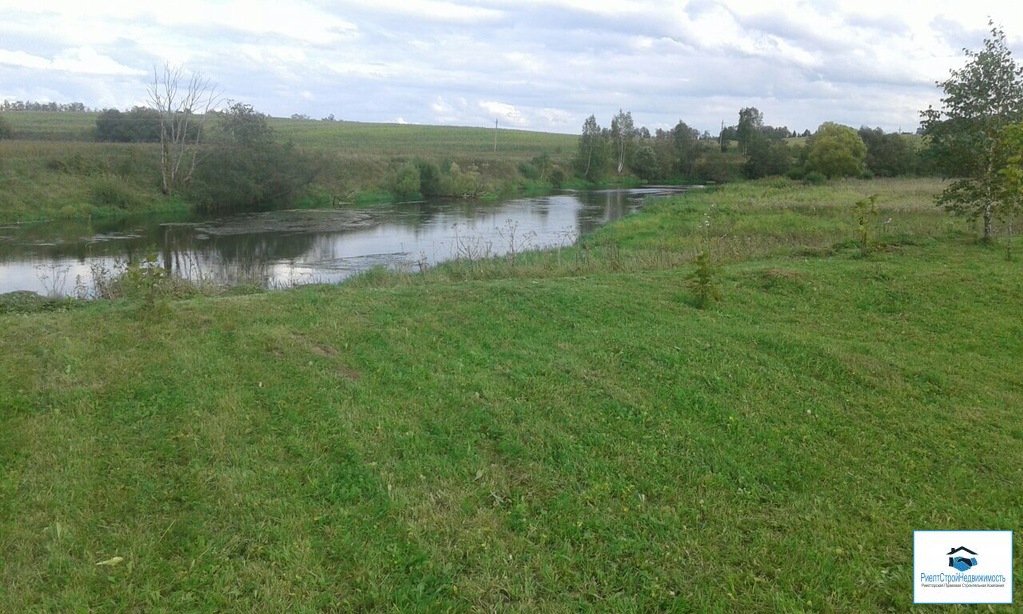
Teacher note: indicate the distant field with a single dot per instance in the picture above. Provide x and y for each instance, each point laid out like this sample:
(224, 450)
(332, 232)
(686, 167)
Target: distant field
(356, 137)
(341, 136)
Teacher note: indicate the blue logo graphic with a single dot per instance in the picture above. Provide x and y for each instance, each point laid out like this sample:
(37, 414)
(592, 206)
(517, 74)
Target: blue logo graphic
(959, 558)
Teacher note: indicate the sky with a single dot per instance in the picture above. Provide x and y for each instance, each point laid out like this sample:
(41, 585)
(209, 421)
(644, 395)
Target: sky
(542, 65)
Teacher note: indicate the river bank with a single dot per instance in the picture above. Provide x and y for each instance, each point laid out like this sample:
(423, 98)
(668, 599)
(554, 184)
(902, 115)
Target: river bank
(560, 431)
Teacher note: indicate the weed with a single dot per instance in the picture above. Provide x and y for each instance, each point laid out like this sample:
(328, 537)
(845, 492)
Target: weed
(866, 213)
(704, 282)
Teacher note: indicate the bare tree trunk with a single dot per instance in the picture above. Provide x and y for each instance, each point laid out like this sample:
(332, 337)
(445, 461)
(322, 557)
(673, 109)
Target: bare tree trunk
(182, 118)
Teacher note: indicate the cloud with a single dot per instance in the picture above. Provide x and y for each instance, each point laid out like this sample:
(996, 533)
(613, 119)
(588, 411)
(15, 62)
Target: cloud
(542, 64)
(504, 111)
(81, 60)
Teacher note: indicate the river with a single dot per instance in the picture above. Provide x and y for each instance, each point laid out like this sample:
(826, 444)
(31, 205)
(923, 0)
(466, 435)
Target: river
(286, 248)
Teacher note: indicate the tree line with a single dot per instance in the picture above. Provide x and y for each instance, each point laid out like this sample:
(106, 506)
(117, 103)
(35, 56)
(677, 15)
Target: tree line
(749, 149)
(974, 140)
(53, 107)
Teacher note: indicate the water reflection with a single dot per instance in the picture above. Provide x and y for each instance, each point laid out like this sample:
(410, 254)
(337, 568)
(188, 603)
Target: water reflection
(289, 247)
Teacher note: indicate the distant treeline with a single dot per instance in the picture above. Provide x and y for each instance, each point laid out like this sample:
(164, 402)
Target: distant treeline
(55, 107)
(751, 149)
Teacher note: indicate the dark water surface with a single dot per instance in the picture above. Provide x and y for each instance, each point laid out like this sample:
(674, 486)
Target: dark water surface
(285, 248)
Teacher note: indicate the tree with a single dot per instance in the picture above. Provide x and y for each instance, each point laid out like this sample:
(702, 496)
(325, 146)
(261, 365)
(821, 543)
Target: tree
(591, 159)
(623, 132)
(184, 108)
(139, 125)
(687, 148)
(1009, 155)
(888, 154)
(245, 167)
(751, 122)
(836, 151)
(981, 99)
(644, 163)
(767, 157)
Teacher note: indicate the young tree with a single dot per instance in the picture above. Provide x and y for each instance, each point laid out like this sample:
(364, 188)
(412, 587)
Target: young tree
(592, 155)
(751, 121)
(184, 108)
(981, 99)
(836, 151)
(623, 131)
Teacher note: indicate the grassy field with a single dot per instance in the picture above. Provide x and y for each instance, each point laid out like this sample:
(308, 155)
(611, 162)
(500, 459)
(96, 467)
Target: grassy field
(53, 169)
(557, 432)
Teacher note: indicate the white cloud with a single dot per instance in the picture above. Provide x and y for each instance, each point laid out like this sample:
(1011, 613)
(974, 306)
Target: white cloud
(546, 64)
(504, 111)
(81, 60)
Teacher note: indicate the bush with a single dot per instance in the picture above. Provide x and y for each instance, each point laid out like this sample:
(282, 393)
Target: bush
(814, 178)
(140, 125)
(111, 191)
(5, 129)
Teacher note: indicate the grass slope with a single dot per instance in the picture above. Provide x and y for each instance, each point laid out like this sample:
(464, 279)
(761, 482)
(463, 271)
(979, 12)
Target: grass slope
(559, 433)
(52, 169)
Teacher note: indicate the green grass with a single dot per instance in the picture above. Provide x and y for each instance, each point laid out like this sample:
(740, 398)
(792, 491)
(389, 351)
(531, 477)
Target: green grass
(416, 140)
(51, 168)
(561, 431)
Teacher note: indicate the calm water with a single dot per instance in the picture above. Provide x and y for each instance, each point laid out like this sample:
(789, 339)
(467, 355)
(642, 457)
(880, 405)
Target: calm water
(293, 247)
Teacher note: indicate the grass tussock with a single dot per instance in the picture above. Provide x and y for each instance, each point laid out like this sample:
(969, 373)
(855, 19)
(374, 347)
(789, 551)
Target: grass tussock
(558, 431)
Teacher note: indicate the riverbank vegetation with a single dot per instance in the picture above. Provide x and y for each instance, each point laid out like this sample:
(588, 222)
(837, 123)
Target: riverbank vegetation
(52, 166)
(551, 431)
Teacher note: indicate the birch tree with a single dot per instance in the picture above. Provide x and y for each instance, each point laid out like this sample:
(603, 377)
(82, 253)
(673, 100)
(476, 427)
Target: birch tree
(623, 131)
(981, 99)
(185, 104)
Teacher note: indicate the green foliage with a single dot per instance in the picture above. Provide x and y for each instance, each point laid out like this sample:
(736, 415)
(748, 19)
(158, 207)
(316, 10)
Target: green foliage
(687, 149)
(888, 154)
(109, 190)
(836, 151)
(139, 125)
(594, 152)
(704, 282)
(245, 168)
(866, 214)
(623, 134)
(645, 164)
(751, 121)
(767, 157)
(405, 184)
(814, 178)
(5, 128)
(981, 99)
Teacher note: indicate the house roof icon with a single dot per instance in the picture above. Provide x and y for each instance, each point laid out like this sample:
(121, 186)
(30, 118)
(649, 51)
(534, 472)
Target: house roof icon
(960, 549)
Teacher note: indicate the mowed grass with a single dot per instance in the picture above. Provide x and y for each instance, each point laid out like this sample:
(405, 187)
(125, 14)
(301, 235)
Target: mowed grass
(558, 432)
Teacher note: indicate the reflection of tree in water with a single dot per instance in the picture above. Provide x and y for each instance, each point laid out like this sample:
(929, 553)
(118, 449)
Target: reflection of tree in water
(603, 206)
(244, 256)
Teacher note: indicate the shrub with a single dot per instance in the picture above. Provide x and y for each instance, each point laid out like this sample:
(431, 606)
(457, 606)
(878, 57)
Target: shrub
(111, 191)
(703, 282)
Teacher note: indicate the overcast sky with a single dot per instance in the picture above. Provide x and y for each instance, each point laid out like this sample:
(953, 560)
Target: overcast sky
(533, 64)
